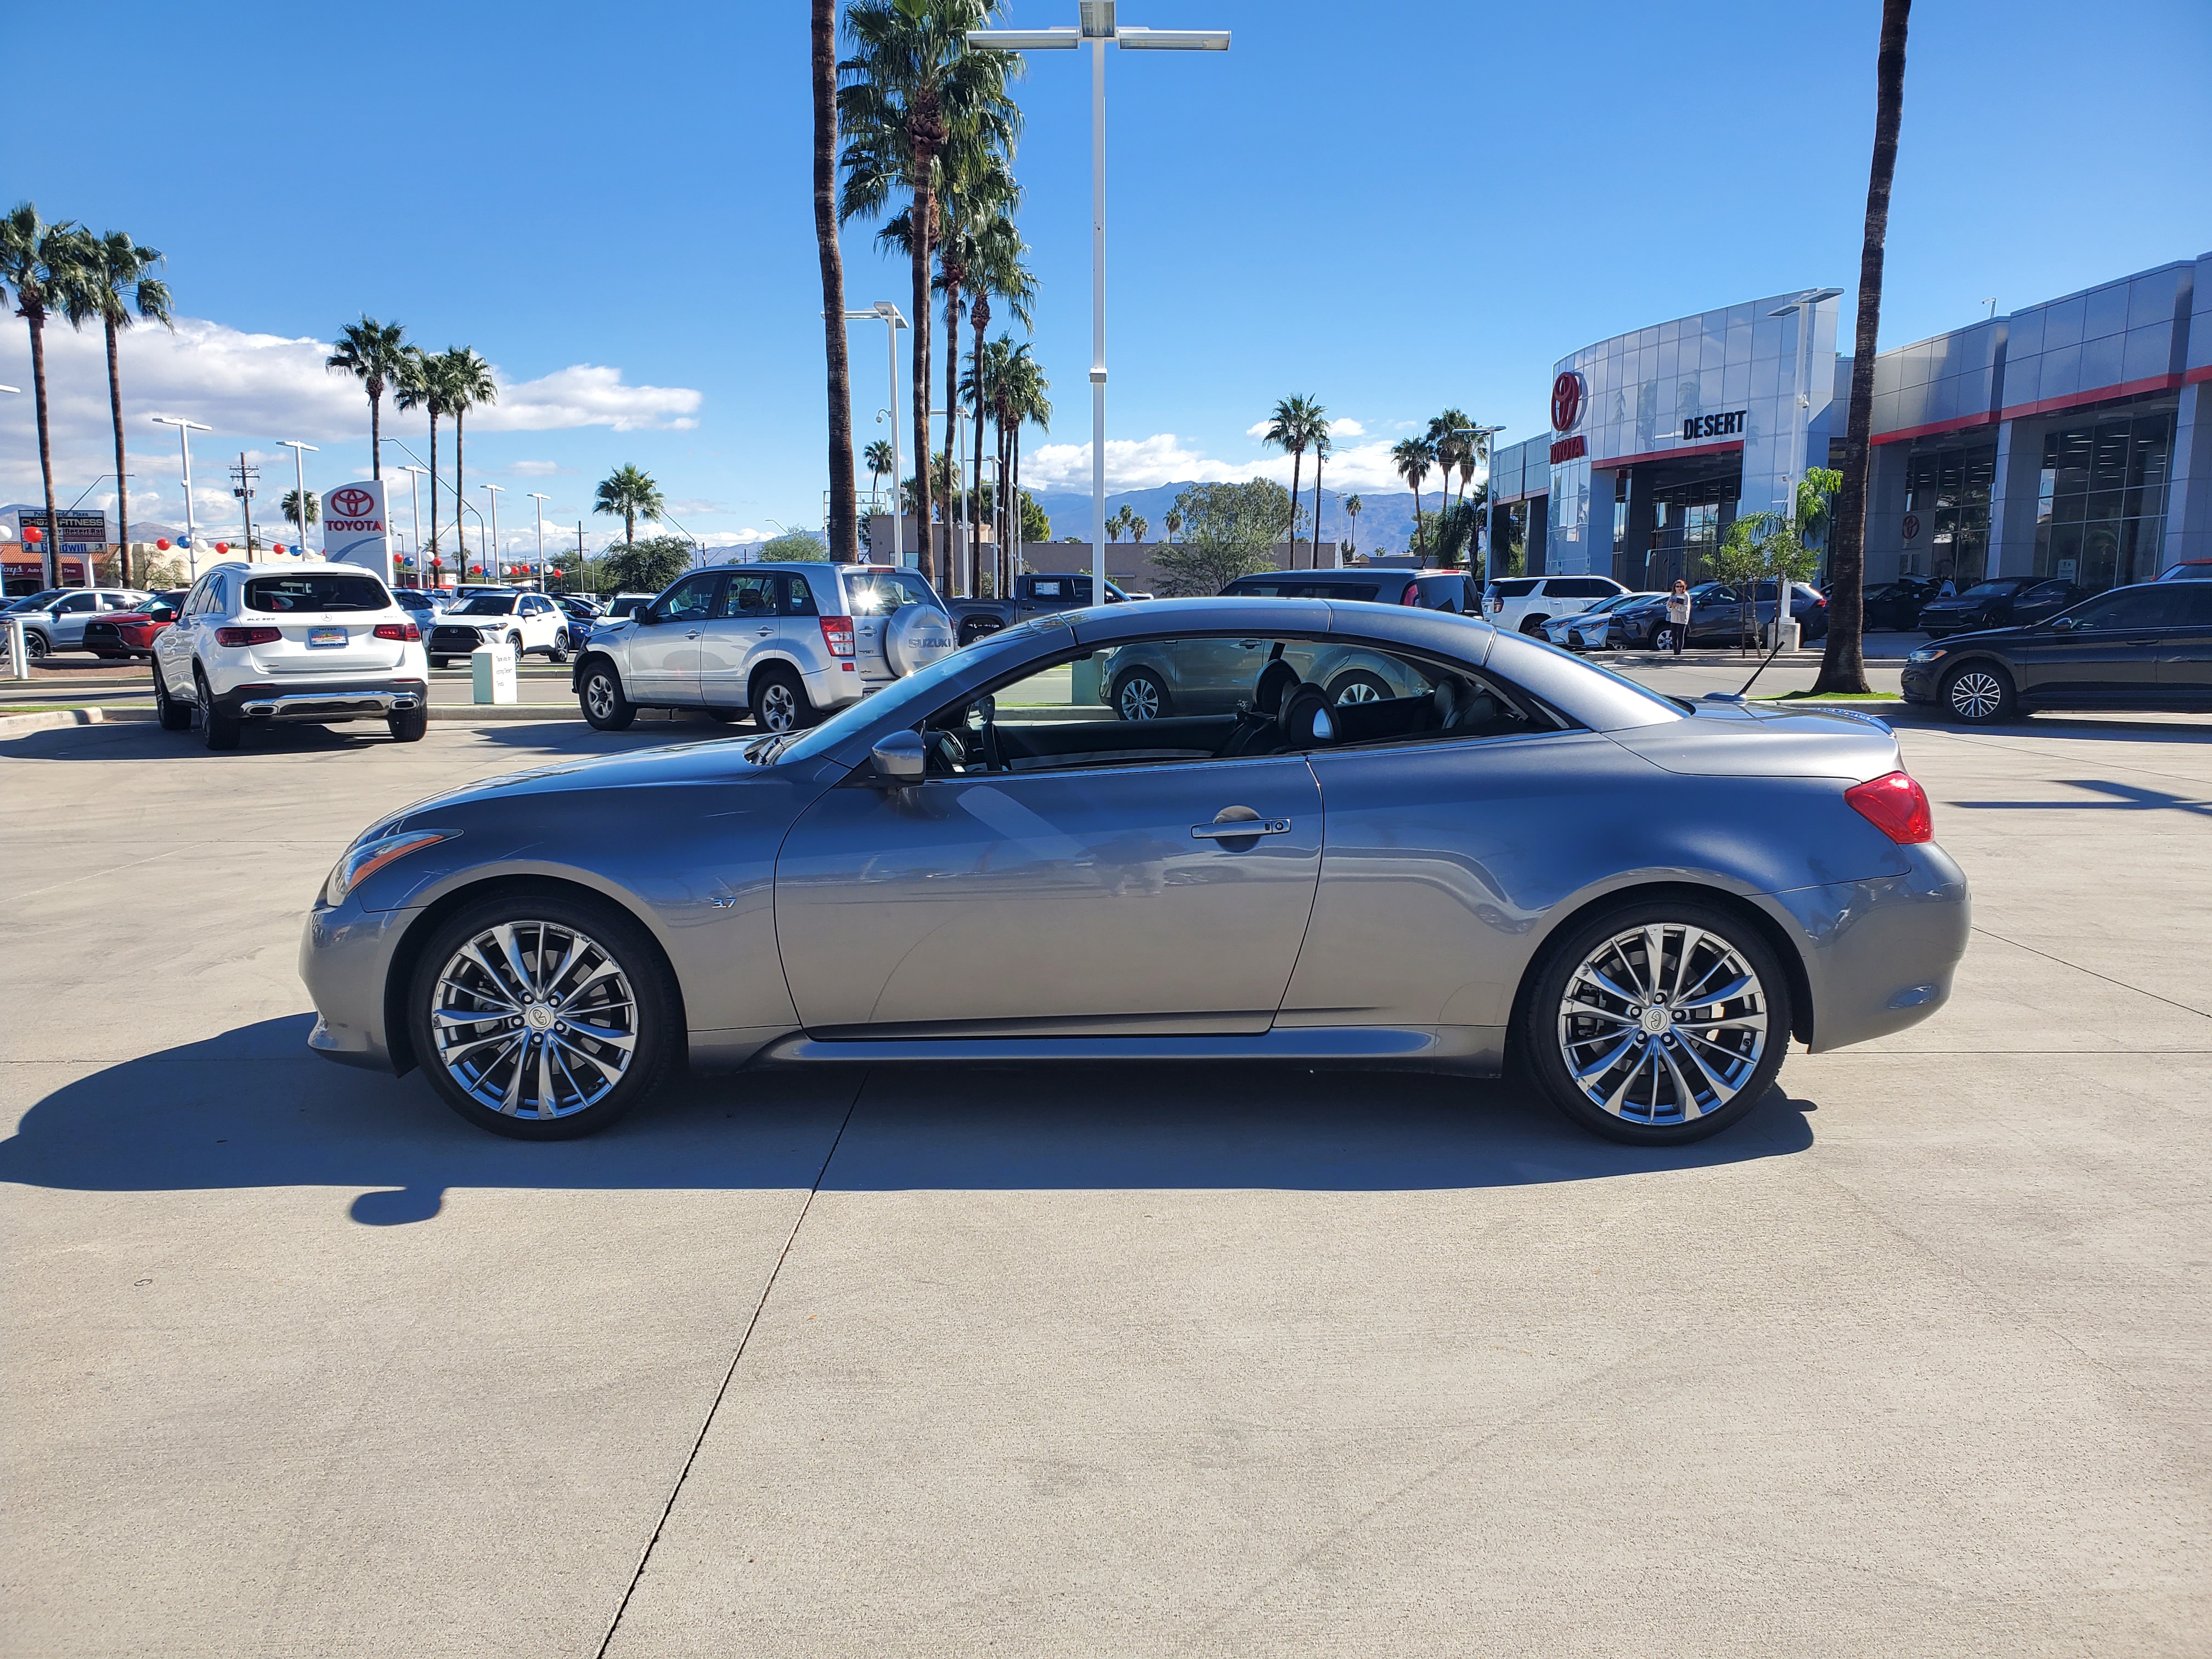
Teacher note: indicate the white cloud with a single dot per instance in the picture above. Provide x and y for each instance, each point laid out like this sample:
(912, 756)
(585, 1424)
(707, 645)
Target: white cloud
(1141, 464)
(1346, 426)
(1258, 430)
(537, 468)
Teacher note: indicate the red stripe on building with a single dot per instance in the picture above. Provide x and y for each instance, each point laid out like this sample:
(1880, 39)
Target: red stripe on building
(2197, 376)
(1614, 463)
(2102, 394)
(1963, 423)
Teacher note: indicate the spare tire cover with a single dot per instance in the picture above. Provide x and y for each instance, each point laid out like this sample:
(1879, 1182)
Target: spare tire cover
(916, 637)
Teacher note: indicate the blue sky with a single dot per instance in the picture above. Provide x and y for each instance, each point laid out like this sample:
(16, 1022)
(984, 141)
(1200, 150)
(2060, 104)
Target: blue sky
(1392, 207)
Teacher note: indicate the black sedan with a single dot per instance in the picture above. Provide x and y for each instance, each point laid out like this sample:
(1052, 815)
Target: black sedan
(2148, 646)
(1719, 615)
(1895, 606)
(2000, 601)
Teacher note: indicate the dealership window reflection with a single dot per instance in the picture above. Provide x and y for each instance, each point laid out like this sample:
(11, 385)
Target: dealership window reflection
(2100, 507)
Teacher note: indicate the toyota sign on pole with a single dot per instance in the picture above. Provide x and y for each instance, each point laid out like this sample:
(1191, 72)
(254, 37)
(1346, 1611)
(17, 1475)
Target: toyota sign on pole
(354, 529)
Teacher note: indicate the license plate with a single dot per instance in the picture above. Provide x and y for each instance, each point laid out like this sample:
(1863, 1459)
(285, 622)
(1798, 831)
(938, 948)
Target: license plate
(327, 636)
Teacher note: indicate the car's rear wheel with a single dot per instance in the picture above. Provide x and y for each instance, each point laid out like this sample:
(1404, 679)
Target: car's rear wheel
(174, 716)
(602, 699)
(1979, 693)
(543, 1017)
(1658, 1022)
(1358, 686)
(559, 651)
(1140, 694)
(440, 662)
(778, 700)
(219, 730)
(410, 726)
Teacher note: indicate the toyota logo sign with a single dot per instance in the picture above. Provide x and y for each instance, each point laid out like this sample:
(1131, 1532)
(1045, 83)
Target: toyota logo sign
(1567, 401)
(1911, 528)
(351, 503)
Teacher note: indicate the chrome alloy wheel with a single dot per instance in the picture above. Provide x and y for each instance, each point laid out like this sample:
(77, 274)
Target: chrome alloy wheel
(1140, 699)
(778, 708)
(1359, 691)
(1976, 694)
(534, 1020)
(599, 696)
(1662, 1024)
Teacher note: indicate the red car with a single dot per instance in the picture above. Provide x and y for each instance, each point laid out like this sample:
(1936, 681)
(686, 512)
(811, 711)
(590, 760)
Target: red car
(122, 635)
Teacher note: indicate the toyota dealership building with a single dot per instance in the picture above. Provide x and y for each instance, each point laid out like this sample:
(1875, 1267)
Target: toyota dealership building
(2072, 438)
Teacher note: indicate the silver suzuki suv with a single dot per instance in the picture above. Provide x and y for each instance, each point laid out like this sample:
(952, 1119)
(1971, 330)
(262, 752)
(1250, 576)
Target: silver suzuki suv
(785, 642)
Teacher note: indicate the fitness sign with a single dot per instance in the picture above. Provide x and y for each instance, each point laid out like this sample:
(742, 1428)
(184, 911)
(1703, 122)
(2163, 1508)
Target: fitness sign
(355, 528)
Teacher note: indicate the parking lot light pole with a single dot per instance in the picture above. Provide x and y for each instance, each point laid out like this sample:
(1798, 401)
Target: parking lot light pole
(300, 453)
(885, 312)
(1785, 620)
(540, 497)
(1097, 27)
(415, 497)
(184, 430)
(494, 492)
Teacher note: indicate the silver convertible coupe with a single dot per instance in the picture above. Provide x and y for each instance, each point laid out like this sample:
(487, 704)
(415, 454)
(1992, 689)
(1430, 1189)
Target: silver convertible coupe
(1515, 858)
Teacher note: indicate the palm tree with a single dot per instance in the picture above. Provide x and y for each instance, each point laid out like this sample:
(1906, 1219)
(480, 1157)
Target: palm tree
(421, 385)
(112, 283)
(1412, 458)
(1172, 525)
(1322, 444)
(375, 354)
(1115, 520)
(1140, 527)
(292, 506)
(843, 528)
(468, 382)
(880, 463)
(39, 262)
(1842, 662)
(913, 86)
(1020, 396)
(629, 495)
(1447, 435)
(1351, 505)
(1292, 427)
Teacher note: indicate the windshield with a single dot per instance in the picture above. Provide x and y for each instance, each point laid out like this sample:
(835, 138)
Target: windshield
(38, 601)
(317, 590)
(1989, 589)
(487, 604)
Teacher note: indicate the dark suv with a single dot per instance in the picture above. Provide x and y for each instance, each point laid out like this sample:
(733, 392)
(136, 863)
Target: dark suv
(2146, 646)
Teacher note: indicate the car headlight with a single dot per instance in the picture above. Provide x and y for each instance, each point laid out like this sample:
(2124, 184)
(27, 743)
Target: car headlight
(1926, 654)
(365, 858)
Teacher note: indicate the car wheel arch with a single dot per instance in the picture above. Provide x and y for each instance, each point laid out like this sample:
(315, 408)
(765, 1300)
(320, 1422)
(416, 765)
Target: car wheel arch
(764, 663)
(592, 660)
(1770, 929)
(399, 973)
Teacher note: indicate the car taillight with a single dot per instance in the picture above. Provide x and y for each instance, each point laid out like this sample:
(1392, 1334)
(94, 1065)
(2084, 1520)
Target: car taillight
(247, 636)
(838, 635)
(1897, 806)
(1411, 595)
(406, 631)
(1497, 605)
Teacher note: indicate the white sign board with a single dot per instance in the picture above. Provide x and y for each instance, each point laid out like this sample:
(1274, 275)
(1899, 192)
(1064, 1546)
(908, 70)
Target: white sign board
(354, 529)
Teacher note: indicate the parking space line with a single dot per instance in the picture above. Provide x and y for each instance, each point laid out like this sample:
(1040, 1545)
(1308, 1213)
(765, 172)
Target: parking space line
(2202, 1013)
(730, 1376)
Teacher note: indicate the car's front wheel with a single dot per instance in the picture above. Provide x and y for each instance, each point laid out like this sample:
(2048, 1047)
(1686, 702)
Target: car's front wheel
(36, 646)
(559, 650)
(1657, 1021)
(1358, 686)
(1979, 693)
(543, 1016)
(602, 699)
(1140, 694)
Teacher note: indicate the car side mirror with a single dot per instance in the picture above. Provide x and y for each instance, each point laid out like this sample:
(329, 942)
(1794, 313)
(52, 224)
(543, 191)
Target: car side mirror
(901, 758)
(2063, 624)
(649, 618)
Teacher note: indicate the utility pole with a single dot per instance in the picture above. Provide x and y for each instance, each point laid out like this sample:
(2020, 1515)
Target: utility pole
(246, 476)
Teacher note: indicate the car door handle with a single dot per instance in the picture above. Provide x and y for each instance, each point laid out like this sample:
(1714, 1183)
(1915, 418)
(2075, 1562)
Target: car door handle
(1240, 828)
(764, 632)
(693, 634)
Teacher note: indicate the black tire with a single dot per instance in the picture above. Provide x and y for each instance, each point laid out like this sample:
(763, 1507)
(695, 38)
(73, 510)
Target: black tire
(1359, 686)
(1534, 625)
(410, 726)
(1980, 694)
(220, 730)
(1140, 695)
(174, 716)
(778, 700)
(36, 646)
(654, 1003)
(1540, 1043)
(559, 650)
(1662, 637)
(440, 662)
(601, 697)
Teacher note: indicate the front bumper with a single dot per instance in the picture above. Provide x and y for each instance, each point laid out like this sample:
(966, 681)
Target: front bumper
(340, 699)
(1916, 681)
(1879, 954)
(345, 960)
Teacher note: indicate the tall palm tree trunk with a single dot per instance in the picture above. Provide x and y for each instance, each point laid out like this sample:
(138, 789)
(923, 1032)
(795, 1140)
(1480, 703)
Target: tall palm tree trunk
(433, 482)
(979, 312)
(51, 547)
(843, 529)
(1297, 460)
(122, 474)
(959, 566)
(1014, 502)
(376, 429)
(924, 212)
(1842, 662)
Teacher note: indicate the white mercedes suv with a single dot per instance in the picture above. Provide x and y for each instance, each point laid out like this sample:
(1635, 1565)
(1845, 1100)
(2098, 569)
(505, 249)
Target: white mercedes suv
(786, 643)
(523, 622)
(309, 642)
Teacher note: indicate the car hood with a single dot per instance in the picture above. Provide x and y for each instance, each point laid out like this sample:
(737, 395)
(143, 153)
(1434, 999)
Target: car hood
(678, 766)
(1992, 636)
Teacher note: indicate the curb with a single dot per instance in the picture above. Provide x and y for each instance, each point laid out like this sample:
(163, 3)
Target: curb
(15, 725)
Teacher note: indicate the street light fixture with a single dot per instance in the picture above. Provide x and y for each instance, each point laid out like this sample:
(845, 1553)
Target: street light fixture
(887, 313)
(300, 453)
(541, 498)
(184, 430)
(414, 471)
(498, 552)
(1785, 623)
(1097, 27)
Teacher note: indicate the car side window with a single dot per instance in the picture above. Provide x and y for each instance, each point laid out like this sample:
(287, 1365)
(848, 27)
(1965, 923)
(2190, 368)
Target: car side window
(692, 600)
(2139, 607)
(798, 595)
(748, 596)
(74, 603)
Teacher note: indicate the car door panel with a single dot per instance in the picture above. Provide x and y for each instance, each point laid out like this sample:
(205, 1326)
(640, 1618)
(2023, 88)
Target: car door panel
(731, 640)
(662, 654)
(1050, 903)
(2110, 654)
(2185, 656)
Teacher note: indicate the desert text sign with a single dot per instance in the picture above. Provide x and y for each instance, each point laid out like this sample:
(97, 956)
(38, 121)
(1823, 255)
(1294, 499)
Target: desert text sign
(354, 526)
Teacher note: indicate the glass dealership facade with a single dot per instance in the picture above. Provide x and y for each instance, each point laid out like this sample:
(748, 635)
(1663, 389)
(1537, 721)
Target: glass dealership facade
(2070, 439)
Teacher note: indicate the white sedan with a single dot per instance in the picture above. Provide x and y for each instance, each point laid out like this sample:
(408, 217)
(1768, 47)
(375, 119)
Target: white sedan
(1587, 630)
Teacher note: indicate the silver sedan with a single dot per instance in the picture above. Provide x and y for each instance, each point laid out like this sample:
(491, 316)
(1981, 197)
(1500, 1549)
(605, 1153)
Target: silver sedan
(1513, 856)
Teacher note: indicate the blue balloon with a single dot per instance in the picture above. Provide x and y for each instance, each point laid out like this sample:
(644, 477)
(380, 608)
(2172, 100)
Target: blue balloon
(184, 541)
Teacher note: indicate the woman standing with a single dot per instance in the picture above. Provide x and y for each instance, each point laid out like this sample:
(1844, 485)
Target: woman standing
(1678, 614)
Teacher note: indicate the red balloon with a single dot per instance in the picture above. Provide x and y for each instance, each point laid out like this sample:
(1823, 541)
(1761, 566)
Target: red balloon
(161, 542)
(279, 548)
(223, 547)
(33, 535)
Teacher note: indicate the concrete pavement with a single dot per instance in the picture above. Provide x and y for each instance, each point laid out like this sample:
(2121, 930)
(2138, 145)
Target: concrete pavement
(1203, 1361)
